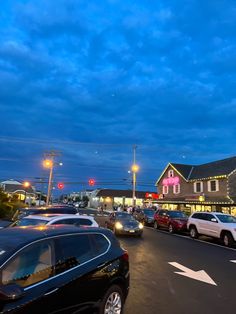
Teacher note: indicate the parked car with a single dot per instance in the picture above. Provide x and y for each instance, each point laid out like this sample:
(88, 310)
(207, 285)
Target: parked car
(54, 269)
(215, 225)
(22, 212)
(146, 216)
(55, 219)
(173, 220)
(124, 223)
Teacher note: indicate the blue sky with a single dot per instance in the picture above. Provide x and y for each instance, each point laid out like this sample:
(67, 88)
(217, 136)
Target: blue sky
(92, 78)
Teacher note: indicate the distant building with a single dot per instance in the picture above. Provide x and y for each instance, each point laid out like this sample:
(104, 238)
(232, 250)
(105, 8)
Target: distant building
(12, 187)
(206, 187)
(111, 198)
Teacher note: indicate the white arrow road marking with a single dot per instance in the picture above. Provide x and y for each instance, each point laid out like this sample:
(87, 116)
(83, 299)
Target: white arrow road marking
(200, 275)
(233, 261)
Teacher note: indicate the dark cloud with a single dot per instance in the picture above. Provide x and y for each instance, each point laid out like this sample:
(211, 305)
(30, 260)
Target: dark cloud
(157, 73)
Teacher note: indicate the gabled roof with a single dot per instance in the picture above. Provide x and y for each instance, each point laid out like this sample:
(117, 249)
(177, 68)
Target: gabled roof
(184, 170)
(213, 169)
(209, 170)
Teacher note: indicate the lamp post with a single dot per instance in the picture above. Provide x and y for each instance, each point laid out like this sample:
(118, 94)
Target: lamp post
(135, 169)
(49, 163)
(26, 184)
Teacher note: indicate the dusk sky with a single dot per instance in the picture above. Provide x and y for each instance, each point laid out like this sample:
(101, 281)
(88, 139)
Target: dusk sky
(92, 78)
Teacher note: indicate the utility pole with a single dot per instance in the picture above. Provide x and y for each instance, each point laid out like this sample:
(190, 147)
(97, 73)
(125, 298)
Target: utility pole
(135, 169)
(49, 159)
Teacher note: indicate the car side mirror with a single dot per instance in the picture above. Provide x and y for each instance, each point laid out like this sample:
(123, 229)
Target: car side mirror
(11, 292)
(214, 220)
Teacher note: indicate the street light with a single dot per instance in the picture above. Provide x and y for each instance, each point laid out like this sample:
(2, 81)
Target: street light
(135, 169)
(26, 184)
(49, 164)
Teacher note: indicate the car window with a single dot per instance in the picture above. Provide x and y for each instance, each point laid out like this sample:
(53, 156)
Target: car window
(31, 265)
(226, 218)
(208, 217)
(176, 214)
(74, 221)
(84, 222)
(198, 216)
(72, 251)
(101, 244)
(29, 222)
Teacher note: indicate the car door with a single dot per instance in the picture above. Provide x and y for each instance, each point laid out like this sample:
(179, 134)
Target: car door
(80, 267)
(32, 268)
(213, 228)
(162, 218)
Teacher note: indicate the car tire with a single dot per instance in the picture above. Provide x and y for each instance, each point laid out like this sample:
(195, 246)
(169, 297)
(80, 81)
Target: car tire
(156, 226)
(171, 228)
(193, 232)
(227, 239)
(113, 301)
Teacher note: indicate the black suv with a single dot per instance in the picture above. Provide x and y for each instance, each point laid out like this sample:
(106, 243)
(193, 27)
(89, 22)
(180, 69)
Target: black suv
(62, 270)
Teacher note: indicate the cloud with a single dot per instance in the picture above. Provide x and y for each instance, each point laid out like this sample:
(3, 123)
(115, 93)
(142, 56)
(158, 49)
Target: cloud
(159, 74)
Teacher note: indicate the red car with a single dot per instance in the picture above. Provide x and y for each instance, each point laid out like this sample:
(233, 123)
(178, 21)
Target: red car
(173, 220)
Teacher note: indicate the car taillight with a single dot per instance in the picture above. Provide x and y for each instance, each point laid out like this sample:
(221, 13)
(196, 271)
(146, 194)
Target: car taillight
(125, 256)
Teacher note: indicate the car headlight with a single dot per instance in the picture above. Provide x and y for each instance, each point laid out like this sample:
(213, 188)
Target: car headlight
(118, 225)
(140, 226)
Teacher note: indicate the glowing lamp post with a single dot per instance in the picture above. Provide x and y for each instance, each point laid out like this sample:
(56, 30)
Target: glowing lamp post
(48, 163)
(135, 169)
(26, 184)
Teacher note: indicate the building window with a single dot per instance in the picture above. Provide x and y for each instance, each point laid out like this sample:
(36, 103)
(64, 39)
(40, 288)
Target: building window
(176, 189)
(165, 189)
(171, 173)
(198, 187)
(213, 185)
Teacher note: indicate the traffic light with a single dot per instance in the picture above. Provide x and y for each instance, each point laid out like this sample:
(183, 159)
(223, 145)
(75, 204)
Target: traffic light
(60, 185)
(91, 182)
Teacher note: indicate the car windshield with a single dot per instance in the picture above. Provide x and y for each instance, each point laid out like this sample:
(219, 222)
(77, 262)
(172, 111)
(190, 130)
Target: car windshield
(29, 222)
(123, 215)
(226, 218)
(177, 215)
(148, 212)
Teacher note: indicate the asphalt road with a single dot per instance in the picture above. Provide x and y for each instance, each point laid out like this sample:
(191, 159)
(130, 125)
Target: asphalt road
(156, 288)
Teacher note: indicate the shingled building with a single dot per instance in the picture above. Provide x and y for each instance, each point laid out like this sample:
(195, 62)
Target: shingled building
(206, 187)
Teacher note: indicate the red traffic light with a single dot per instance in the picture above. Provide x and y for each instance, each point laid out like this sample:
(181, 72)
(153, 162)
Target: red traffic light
(91, 182)
(60, 185)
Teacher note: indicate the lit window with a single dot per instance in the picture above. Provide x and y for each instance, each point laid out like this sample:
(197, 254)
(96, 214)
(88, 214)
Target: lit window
(176, 189)
(198, 187)
(165, 189)
(170, 173)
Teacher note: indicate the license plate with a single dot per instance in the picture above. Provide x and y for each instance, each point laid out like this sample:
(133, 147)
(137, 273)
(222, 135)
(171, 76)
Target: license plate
(132, 231)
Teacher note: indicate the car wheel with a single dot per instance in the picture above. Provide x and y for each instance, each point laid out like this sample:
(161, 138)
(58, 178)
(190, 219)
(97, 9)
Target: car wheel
(193, 232)
(171, 228)
(113, 301)
(156, 226)
(227, 239)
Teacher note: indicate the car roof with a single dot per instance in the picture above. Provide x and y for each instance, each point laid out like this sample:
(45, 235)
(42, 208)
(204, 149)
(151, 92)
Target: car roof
(27, 235)
(214, 213)
(49, 217)
(32, 233)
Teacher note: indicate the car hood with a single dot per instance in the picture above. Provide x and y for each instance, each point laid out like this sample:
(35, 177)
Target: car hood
(129, 223)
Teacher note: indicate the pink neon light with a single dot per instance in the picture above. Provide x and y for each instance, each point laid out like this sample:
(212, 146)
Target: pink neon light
(171, 181)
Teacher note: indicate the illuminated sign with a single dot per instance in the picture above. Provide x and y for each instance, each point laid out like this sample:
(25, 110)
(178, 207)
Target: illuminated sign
(151, 195)
(171, 181)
